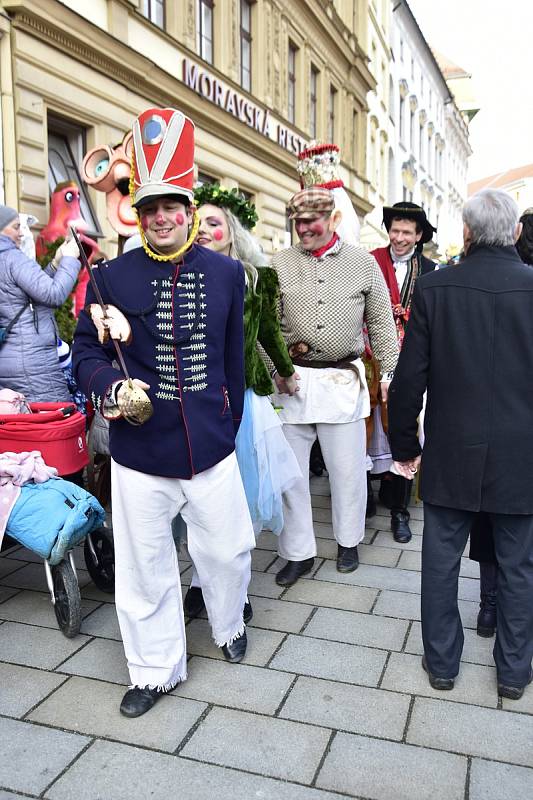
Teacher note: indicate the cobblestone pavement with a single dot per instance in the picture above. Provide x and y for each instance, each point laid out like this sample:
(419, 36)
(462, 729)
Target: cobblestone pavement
(330, 702)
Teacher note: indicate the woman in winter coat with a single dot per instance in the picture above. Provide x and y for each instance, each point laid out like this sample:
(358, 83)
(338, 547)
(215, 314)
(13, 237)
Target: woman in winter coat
(29, 362)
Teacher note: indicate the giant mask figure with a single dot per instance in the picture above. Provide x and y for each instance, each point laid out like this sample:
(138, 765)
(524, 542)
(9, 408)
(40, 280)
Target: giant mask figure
(107, 169)
(65, 212)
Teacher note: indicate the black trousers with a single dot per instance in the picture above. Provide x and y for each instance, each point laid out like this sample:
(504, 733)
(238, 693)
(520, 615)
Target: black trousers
(445, 535)
(481, 539)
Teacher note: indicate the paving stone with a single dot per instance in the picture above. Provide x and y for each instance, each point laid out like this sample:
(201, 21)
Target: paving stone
(10, 796)
(278, 615)
(355, 709)
(324, 593)
(384, 539)
(23, 554)
(399, 580)
(23, 687)
(474, 684)
(262, 644)
(323, 530)
(319, 485)
(320, 501)
(267, 541)
(103, 659)
(234, 685)
(32, 576)
(111, 770)
(8, 565)
(476, 650)
(91, 592)
(380, 556)
(469, 568)
(31, 757)
(263, 584)
(497, 735)
(5, 594)
(32, 646)
(36, 608)
(381, 770)
(406, 605)
(330, 660)
(278, 748)
(91, 707)
(102, 622)
(410, 559)
(322, 514)
(468, 589)
(262, 559)
(364, 629)
(492, 781)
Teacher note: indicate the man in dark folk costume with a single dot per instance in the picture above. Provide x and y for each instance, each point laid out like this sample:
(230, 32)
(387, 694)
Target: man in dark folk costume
(327, 288)
(401, 263)
(178, 309)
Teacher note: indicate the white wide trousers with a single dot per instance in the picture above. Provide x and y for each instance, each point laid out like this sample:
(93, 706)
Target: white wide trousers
(344, 450)
(147, 578)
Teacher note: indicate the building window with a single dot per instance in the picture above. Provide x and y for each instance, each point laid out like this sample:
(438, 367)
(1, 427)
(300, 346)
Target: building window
(66, 148)
(154, 10)
(205, 30)
(291, 84)
(401, 120)
(331, 113)
(355, 136)
(412, 130)
(313, 90)
(246, 45)
(203, 177)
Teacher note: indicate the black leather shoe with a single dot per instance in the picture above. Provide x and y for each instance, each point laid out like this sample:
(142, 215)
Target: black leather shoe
(194, 604)
(347, 558)
(138, 701)
(247, 613)
(486, 619)
(293, 570)
(513, 692)
(442, 684)
(235, 651)
(401, 531)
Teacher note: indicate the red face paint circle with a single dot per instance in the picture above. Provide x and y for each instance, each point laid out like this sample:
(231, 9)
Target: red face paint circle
(144, 221)
(317, 228)
(179, 218)
(218, 235)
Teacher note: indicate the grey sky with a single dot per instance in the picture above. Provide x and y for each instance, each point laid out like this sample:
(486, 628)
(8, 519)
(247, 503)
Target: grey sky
(494, 42)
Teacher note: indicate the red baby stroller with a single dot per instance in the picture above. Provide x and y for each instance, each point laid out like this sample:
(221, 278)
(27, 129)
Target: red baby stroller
(57, 430)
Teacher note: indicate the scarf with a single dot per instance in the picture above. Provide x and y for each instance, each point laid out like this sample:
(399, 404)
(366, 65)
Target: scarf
(400, 299)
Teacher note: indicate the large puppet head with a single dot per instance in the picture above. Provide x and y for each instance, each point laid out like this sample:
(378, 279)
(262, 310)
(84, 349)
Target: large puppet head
(319, 165)
(107, 169)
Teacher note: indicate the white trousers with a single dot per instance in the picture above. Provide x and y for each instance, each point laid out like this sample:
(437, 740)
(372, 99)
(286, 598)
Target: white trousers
(344, 451)
(147, 578)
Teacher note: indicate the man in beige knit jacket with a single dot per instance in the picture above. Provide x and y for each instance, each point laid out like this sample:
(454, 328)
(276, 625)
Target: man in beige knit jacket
(328, 290)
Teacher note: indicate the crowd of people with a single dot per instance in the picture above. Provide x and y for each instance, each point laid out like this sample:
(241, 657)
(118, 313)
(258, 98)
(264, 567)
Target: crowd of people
(233, 366)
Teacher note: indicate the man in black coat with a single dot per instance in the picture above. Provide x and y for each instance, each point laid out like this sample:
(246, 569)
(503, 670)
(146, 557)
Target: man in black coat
(469, 342)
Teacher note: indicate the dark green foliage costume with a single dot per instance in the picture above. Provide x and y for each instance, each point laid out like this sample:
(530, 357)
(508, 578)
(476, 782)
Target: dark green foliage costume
(261, 325)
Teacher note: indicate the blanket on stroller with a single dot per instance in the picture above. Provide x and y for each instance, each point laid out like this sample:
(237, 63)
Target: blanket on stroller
(51, 518)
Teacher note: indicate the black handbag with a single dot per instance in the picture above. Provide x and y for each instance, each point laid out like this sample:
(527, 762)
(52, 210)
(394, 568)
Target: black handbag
(5, 331)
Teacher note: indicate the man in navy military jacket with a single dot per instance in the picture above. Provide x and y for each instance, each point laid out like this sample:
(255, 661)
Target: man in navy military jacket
(470, 343)
(178, 309)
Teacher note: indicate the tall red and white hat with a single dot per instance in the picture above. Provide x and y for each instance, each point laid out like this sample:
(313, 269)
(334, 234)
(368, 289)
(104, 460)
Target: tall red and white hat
(163, 155)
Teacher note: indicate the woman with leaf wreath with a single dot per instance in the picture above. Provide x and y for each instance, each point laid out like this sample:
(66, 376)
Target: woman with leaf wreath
(267, 464)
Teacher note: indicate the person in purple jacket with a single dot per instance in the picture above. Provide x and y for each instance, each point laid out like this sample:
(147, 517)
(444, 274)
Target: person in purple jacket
(178, 308)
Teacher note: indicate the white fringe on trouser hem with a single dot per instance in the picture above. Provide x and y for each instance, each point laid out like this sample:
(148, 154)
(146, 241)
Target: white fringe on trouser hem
(232, 638)
(167, 687)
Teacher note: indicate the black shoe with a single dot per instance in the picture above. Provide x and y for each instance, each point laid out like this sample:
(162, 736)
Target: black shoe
(442, 684)
(486, 619)
(513, 692)
(347, 559)
(138, 701)
(371, 508)
(293, 570)
(247, 613)
(194, 604)
(400, 527)
(235, 651)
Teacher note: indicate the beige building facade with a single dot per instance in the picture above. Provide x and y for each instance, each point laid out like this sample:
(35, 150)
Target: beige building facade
(259, 79)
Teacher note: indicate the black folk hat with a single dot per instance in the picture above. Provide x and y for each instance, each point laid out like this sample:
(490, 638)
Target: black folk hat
(407, 210)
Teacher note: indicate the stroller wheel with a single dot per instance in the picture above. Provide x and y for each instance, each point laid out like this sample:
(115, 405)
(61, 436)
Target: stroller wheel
(67, 599)
(99, 555)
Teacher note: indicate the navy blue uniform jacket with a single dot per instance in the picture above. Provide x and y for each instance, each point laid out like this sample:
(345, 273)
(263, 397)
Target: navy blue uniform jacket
(187, 344)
